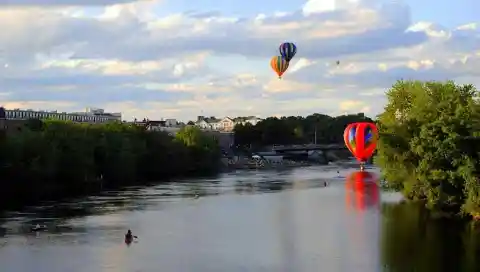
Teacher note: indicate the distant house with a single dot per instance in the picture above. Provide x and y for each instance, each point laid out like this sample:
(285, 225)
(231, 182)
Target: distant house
(202, 124)
(160, 126)
(253, 120)
(227, 124)
(154, 125)
(209, 123)
(171, 122)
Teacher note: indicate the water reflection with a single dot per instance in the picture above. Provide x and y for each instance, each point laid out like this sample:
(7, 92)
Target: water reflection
(411, 241)
(363, 223)
(362, 191)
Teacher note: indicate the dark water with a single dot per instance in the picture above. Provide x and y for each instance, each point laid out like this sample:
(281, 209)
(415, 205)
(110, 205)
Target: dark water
(244, 221)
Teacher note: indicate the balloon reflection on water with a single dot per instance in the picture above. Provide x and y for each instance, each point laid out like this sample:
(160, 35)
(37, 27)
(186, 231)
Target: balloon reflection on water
(362, 196)
(362, 191)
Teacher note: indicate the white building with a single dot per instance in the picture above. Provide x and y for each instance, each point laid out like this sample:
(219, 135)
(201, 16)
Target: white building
(162, 126)
(209, 123)
(225, 124)
(95, 116)
(248, 120)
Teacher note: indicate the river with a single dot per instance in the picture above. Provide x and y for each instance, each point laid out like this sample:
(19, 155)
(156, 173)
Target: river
(302, 219)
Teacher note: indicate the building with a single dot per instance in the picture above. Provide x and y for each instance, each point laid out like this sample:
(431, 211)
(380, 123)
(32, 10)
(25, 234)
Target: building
(208, 123)
(226, 124)
(171, 122)
(89, 116)
(252, 120)
(170, 127)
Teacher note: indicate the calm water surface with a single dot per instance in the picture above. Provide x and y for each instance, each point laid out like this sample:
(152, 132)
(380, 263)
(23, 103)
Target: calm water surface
(244, 221)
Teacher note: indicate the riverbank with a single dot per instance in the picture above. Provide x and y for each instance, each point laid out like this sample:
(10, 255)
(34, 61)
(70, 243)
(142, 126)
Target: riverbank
(269, 160)
(55, 159)
(264, 164)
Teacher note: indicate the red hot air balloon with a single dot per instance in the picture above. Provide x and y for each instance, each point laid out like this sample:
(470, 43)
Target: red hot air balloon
(361, 139)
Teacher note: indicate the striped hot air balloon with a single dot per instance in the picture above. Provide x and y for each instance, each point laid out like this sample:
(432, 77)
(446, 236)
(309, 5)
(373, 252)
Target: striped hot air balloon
(361, 139)
(279, 65)
(288, 50)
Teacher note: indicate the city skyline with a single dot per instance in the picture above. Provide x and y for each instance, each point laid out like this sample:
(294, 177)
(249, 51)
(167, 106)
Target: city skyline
(178, 59)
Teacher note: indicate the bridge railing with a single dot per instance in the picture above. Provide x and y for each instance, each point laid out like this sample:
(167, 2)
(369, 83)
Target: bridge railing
(277, 147)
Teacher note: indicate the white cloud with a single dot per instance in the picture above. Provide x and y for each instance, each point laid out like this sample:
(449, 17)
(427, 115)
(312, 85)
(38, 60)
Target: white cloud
(127, 57)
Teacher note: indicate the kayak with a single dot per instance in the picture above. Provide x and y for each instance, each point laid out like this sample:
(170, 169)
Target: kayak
(38, 228)
(128, 240)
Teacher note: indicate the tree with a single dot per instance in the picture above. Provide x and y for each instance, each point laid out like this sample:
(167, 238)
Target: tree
(203, 149)
(423, 149)
(56, 158)
(296, 130)
(34, 124)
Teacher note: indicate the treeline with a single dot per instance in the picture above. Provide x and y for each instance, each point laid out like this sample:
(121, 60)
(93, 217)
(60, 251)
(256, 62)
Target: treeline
(56, 158)
(427, 147)
(296, 130)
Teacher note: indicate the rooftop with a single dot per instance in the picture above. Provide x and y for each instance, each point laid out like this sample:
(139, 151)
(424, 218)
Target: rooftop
(113, 114)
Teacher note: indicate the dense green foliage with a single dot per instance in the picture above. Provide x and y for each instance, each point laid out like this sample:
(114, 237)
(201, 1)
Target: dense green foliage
(296, 130)
(425, 147)
(56, 158)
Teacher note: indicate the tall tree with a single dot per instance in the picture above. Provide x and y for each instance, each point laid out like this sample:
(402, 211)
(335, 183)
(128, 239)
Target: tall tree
(422, 148)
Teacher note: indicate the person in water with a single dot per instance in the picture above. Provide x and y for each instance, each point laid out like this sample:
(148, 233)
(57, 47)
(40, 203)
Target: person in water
(39, 227)
(129, 236)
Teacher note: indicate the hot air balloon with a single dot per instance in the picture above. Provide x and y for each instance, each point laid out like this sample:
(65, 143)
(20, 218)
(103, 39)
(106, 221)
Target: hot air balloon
(362, 190)
(361, 139)
(279, 65)
(288, 50)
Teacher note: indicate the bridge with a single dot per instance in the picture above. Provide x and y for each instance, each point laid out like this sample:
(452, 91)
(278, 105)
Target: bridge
(308, 147)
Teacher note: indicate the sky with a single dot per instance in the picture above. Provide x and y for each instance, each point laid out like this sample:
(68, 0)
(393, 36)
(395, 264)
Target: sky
(183, 58)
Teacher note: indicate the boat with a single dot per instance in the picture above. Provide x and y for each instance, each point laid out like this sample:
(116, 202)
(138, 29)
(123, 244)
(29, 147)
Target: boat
(39, 227)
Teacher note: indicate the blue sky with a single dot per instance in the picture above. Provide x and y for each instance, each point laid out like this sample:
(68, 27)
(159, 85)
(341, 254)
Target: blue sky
(233, 7)
(448, 13)
(177, 59)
